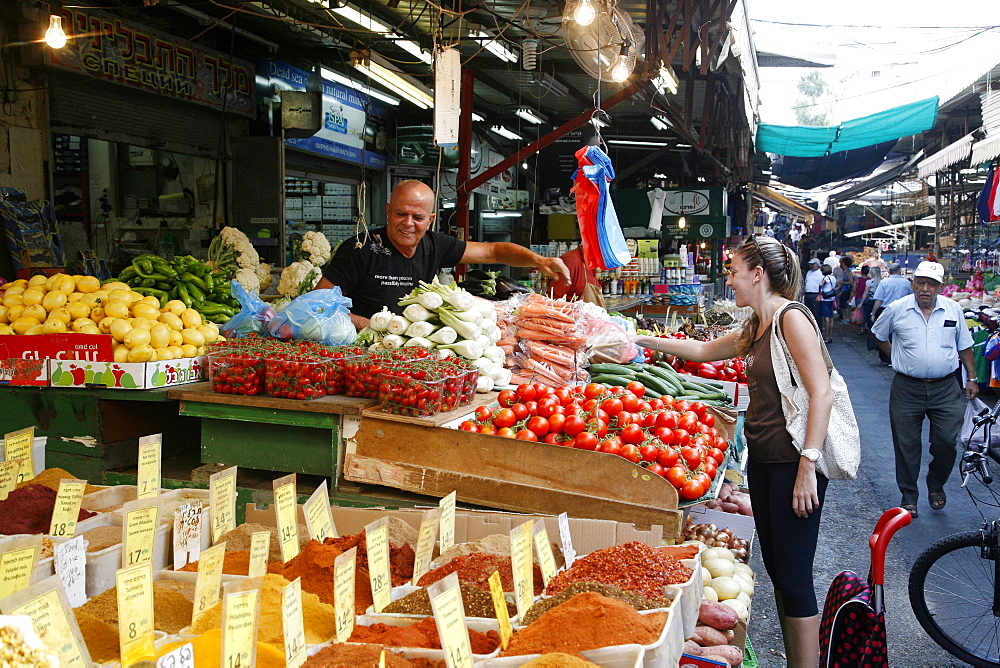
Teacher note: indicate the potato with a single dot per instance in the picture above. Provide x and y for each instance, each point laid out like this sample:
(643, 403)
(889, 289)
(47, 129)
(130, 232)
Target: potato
(741, 610)
(692, 648)
(706, 636)
(719, 567)
(709, 594)
(717, 615)
(717, 553)
(709, 656)
(732, 654)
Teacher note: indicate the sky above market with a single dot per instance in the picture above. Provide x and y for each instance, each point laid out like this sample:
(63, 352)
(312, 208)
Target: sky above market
(886, 52)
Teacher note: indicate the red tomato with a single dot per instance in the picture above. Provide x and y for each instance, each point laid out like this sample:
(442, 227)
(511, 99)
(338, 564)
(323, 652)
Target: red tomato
(617, 391)
(504, 418)
(572, 409)
(612, 446)
(573, 426)
(551, 439)
(531, 407)
(564, 395)
(688, 422)
(468, 425)
(483, 413)
(507, 398)
(506, 432)
(681, 437)
(710, 467)
(649, 453)
(702, 429)
(540, 390)
(602, 414)
(721, 443)
(637, 388)
(539, 425)
(601, 426)
(525, 393)
(556, 423)
(621, 419)
(657, 469)
(487, 429)
(681, 406)
(665, 435)
(633, 434)
(648, 420)
(594, 390)
(589, 405)
(699, 409)
(613, 406)
(520, 412)
(630, 402)
(585, 441)
(547, 407)
(691, 490)
(666, 419)
(526, 435)
(668, 401)
(645, 406)
(708, 420)
(656, 404)
(677, 476)
(717, 455)
(692, 456)
(667, 457)
(631, 453)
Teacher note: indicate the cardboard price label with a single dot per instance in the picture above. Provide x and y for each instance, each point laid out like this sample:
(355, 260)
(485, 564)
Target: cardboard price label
(425, 542)
(377, 541)
(135, 612)
(182, 657)
(8, 476)
(209, 580)
(55, 625)
(520, 554)
(292, 625)
(447, 521)
(148, 480)
(222, 496)
(500, 605)
(546, 560)
(285, 513)
(344, 572)
(70, 560)
(319, 516)
(67, 508)
(16, 567)
(260, 550)
(140, 532)
(187, 534)
(240, 610)
(19, 445)
(566, 538)
(449, 617)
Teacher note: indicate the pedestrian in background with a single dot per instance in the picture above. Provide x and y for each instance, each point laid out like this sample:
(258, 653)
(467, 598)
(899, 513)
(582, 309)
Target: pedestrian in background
(896, 286)
(845, 287)
(929, 337)
(860, 288)
(825, 301)
(811, 287)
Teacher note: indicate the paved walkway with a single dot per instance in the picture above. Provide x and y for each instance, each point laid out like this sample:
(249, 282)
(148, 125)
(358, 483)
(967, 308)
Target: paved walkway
(853, 508)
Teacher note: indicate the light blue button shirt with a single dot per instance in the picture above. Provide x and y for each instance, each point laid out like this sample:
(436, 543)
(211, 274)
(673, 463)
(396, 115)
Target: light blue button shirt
(924, 348)
(892, 288)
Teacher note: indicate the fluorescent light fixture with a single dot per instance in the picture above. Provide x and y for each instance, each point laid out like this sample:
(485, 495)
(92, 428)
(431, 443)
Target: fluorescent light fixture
(630, 142)
(447, 205)
(504, 132)
(476, 117)
(552, 85)
(666, 80)
(501, 214)
(659, 176)
(337, 77)
(395, 81)
(530, 116)
(368, 22)
(493, 45)
(659, 122)
(599, 122)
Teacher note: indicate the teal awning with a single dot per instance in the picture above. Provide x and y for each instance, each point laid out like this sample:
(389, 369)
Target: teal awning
(813, 142)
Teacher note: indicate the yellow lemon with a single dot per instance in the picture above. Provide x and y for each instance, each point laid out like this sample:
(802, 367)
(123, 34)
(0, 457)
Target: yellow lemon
(33, 296)
(64, 283)
(88, 284)
(121, 295)
(176, 350)
(187, 350)
(118, 329)
(163, 354)
(97, 313)
(75, 297)
(207, 332)
(136, 337)
(92, 300)
(135, 297)
(121, 352)
(175, 306)
(78, 310)
(201, 351)
(175, 338)
(102, 294)
(152, 301)
(193, 336)
(159, 336)
(140, 323)
(5, 330)
(171, 321)
(61, 314)
(116, 285)
(104, 324)
(21, 325)
(34, 330)
(13, 300)
(50, 282)
(116, 308)
(220, 339)
(19, 283)
(54, 326)
(36, 311)
(191, 318)
(13, 290)
(80, 323)
(14, 312)
(141, 354)
(3, 315)
(38, 279)
(141, 309)
(89, 329)
(53, 300)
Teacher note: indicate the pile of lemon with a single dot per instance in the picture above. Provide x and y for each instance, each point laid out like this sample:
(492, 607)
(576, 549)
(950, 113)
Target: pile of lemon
(142, 331)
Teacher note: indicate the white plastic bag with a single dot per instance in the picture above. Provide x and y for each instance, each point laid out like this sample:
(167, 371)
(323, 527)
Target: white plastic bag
(977, 434)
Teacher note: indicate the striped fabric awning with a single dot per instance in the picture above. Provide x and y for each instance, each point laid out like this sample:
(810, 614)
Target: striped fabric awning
(946, 157)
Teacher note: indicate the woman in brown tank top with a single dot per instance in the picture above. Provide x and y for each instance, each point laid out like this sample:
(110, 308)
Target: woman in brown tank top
(785, 490)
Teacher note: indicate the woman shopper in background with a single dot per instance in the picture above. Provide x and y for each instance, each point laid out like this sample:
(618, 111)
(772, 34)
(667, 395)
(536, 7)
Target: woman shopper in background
(859, 296)
(826, 299)
(785, 489)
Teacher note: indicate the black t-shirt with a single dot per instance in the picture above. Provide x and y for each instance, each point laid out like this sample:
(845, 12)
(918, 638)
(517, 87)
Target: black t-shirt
(378, 275)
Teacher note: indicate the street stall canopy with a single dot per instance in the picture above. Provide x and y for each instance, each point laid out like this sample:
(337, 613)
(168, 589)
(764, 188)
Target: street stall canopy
(877, 181)
(789, 206)
(808, 173)
(946, 157)
(891, 231)
(813, 142)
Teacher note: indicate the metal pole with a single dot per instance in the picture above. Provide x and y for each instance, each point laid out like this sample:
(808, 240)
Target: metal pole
(464, 156)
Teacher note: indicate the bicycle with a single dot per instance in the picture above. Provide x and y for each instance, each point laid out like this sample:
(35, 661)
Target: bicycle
(953, 585)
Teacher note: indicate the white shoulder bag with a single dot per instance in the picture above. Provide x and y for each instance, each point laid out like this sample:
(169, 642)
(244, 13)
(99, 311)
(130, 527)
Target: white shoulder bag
(842, 447)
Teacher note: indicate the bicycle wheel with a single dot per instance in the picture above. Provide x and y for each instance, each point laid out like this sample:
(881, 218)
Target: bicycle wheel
(951, 592)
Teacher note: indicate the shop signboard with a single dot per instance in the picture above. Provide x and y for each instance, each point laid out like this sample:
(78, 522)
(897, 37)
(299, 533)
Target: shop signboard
(350, 119)
(103, 46)
(23, 359)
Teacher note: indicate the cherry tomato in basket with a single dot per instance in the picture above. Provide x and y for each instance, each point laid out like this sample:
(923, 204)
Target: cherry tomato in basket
(520, 412)
(631, 453)
(556, 423)
(633, 434)
(667, 458)
(525, 393)
(507, 398)
(538, 425)
(506, 432)
(468, 425)
(637, 388)
(483, 413)
(574, 425)
(585, 441)
(649, 452)
(504, 418)
(630, 402)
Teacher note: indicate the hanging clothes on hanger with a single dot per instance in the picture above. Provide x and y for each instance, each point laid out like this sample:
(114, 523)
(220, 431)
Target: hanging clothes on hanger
(603, 242)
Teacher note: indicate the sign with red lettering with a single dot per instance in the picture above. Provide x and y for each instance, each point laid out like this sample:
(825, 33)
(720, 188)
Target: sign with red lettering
(106, 47)
(23, 358)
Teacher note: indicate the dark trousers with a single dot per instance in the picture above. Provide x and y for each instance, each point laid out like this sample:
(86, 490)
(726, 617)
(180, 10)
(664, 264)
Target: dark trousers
(787, 542)
(812, 304)
(910, 401)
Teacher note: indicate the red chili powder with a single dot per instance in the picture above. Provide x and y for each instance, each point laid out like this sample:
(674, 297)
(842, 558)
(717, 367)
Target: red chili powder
(476, 568)
(29, 510)
(634, 566)
(422, 634)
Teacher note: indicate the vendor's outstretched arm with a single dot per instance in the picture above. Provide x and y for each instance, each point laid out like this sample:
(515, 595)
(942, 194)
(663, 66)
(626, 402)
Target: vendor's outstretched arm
(359, 321)
(513, 255)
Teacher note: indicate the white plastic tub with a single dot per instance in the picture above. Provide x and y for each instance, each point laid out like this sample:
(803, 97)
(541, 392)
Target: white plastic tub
(691, 594)
(101, 565)
(619, 656)
(109, 499)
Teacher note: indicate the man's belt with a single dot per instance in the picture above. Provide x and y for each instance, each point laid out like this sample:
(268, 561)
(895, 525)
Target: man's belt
(950, 376)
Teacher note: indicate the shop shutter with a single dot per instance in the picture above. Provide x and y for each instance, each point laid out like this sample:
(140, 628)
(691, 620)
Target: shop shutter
(108, 111)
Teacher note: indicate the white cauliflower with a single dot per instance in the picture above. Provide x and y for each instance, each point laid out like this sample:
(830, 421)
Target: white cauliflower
(298, 278)
(316, 248)
(247, 277)
(264, 275)
(232, 250)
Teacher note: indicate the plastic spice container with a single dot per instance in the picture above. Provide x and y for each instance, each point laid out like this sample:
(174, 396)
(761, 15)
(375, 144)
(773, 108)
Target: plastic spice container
(410, 390)
(295, 377)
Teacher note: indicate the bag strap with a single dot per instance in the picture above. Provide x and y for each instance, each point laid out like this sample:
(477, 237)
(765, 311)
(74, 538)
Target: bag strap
(786, 354)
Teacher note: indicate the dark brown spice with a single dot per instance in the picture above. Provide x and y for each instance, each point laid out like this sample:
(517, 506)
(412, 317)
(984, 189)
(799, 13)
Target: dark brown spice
(477, 603)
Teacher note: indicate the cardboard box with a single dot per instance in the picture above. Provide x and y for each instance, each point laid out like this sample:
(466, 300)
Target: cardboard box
(23, 359)
(127, 375)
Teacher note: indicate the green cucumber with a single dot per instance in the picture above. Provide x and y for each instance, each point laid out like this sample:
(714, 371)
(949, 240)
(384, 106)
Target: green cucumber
(609, 379)
(611, 369)
(653, 382)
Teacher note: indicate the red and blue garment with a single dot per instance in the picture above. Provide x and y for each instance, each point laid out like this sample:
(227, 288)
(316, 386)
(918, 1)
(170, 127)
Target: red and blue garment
(603, 242)
(988, 202)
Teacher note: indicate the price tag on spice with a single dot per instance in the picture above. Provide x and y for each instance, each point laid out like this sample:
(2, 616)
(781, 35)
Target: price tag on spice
(182, 657)
(67, 508)
(377, 542)
(187, 534)
(222, 496)
(344, 571)
(292, 627)
(140, 532)
(500, 605)
(17, 565)
(19, 445)
(53, 622)
(566, 538)
(381, 659)
(260, 550)
(148, 480)
(240, 611)
(520, 555)
(284, 510)
(425, 542)
(135, 612)
(209, 581)
(70, 560)
(319, 516)
(8, 476)
(447, 521)
(449, 617)
(546, 560)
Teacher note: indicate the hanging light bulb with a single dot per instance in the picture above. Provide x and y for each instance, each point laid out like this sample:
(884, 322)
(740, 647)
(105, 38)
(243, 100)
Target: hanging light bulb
(682, 223)
(584, 14)
(524, 165)
(703, 245)
(621, 70)
(55, 37)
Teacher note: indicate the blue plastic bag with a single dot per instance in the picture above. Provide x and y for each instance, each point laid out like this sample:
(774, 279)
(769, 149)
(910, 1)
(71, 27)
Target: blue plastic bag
(319, 315)
(253, 316)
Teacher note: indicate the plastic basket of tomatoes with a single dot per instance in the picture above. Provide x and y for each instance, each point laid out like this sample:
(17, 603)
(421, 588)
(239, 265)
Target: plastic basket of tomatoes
(362, 375)
(411, 390)
(235, 371)
(293, 376)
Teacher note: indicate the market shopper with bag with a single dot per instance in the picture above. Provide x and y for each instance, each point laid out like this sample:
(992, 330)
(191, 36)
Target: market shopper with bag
(800, 427)
(929, 337)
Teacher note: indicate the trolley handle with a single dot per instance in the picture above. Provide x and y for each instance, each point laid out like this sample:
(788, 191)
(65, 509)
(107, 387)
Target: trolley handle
(891, 521)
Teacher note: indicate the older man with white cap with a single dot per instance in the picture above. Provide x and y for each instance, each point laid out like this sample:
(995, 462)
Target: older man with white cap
(929, 338)
(810, 287)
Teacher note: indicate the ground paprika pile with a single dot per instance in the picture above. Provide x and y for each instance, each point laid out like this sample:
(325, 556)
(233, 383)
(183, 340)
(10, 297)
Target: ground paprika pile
(476, 569)
(634, 566)
(422, 634)
(365, 656)
(234, 563)
(28, 509)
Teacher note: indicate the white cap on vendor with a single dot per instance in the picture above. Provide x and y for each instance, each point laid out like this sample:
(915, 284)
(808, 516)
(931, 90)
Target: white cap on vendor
(931, 270)
(815, 261)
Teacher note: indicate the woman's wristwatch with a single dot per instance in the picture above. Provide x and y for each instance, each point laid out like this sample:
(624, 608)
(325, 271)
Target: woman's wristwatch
(812, 454)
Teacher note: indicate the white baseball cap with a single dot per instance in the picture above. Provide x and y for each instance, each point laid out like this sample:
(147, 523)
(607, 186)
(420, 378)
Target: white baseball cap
(930, 270)
(814, 261)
